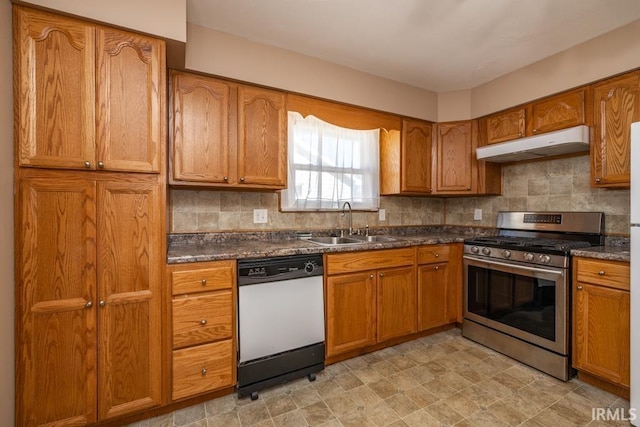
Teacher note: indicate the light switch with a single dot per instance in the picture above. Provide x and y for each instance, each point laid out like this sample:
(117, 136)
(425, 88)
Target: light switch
(477, 214)
(381, 215)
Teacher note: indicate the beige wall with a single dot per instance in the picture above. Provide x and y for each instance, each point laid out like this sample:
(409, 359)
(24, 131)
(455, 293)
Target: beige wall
(561, 185)
(224, 55)
(6, 219)
(454, 105)
(604, 56)
(164, 18)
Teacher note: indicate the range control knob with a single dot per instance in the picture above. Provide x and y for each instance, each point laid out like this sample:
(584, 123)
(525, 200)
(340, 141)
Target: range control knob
(528, 256)
(309, 267)
(475, 249)
(545, 259)
(486, 251)
(506, 253)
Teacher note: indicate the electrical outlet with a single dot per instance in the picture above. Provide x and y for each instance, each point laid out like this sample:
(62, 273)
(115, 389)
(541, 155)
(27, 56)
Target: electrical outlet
(477, 214)
(381, 215)
(259, 216)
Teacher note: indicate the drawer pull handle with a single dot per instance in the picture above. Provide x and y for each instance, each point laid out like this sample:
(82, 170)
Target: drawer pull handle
(601, 272)
(204, 282)
(436, 267)
(204, 372)
(203, 322)
(437, 255)
(225, 178)
(579, 287)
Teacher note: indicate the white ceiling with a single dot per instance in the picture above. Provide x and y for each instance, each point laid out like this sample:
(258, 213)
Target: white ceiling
(440, 45)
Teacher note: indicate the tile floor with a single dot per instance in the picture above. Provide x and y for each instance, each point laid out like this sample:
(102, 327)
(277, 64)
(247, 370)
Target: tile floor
(440, 380)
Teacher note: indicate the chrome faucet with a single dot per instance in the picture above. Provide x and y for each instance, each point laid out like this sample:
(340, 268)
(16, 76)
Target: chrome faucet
(350, 217)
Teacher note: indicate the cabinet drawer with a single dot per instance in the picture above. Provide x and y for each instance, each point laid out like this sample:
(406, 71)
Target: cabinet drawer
(202, 318)
(203, 368)
(202, 278)
(432, 254)
(373, 260)
(606, 273)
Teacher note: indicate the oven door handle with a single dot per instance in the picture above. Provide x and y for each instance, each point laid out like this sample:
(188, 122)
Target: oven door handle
(514, 266)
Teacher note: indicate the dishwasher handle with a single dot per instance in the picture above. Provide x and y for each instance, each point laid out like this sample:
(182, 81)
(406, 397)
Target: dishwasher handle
(251, 272)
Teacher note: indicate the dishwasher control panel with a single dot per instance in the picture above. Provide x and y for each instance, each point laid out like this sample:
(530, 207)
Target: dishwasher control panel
(261, 270)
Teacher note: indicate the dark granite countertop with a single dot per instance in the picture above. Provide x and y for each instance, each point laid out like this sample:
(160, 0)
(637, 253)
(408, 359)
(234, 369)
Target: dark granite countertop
(608, 252)
(186, 248)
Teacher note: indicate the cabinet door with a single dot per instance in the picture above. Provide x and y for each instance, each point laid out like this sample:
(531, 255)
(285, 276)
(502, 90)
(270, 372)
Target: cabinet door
(56, 307)
(55, 68)
(416, 157)
(616, 106)
(351, 312)
(601, 332)
(262, 137)
(558, 112)
(433, 296)
(129, 283)
(506, 126)
(455, 168)
(396, 302)
(200, 129)
(130, 98)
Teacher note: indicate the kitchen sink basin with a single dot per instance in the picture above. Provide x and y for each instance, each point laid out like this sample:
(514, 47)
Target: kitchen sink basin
(375, 238)
(329, 240)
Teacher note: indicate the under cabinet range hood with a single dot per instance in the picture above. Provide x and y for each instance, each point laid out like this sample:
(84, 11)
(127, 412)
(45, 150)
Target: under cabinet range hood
(570, 140)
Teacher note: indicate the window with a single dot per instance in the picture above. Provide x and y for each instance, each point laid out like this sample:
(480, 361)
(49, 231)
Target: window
(330, 165)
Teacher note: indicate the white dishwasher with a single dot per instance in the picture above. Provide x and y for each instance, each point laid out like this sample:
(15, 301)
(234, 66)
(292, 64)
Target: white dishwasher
(280, 321)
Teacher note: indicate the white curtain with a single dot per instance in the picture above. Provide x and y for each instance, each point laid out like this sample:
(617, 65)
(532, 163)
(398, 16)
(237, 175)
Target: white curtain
(329, 165)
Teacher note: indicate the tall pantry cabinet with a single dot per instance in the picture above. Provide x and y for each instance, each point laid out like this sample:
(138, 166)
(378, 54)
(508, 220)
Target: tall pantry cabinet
(89, 220)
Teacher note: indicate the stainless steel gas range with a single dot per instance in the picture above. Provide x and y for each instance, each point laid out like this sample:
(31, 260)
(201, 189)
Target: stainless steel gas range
(517, 285)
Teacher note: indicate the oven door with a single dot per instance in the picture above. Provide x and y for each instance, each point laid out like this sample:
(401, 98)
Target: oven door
(529, 303)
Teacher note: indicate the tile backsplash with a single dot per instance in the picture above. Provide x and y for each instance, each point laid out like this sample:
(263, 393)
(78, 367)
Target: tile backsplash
(561, 184)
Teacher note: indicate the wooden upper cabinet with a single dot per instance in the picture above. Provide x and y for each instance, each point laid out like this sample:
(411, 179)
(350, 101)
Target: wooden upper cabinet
(455, 170)
(226, 135)
(89, 97)
(415, 167)
(262, 137)
(406, 159)
(55, 105)
(506, 125)
(200, 129)
(130, 100)
(616, 104)
(557, 112)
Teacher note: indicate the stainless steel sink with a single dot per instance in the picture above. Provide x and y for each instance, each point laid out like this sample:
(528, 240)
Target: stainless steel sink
(332, 241)
(375, 238)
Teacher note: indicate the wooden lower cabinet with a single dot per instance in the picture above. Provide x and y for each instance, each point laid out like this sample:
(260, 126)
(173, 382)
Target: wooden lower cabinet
(370, 298)
(439, 285)
(89, 253)
(601, 320)
(203, 327)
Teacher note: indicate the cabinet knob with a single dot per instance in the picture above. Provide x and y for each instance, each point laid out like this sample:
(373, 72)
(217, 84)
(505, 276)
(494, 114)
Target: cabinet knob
(89, 304)
(520, 134)
(242, 179)
(101, 164)
(225, 178)
(204, 282)
(468, 188)
(203, 322)
(579, 287)
(436, 267)
(204, 372)
(437, 255)
(371, 276)
(87, 164)
(601, 272)
(430, 190)
(535, 130)
(597, 179)
(381, 274)
(102, 303)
